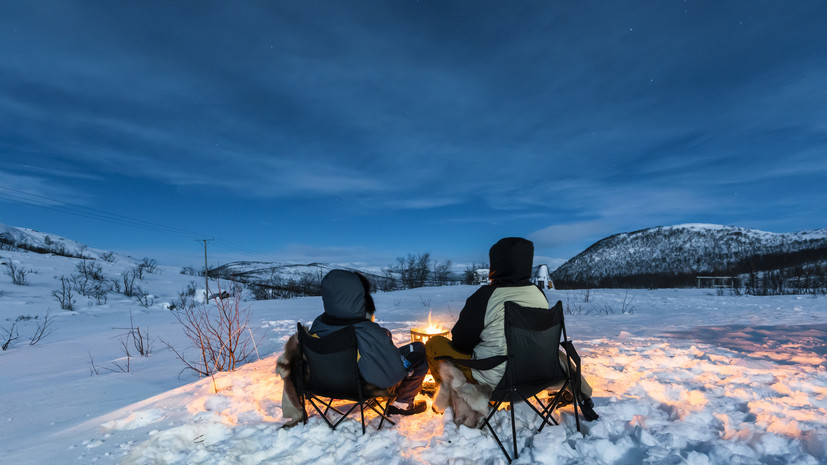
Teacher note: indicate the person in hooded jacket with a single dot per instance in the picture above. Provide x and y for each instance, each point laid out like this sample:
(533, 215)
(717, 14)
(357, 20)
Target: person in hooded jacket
(347, 302)
(480, 330)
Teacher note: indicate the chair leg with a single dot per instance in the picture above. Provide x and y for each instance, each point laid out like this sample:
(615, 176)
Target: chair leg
(495, 405)
(384, 412)
(362, 413)
(328, 405)
(324, 417)
(514, 433)
(576, 402)
(344, 416)
(496, 438)
(303, 399)
(541, 414)
(553, 405)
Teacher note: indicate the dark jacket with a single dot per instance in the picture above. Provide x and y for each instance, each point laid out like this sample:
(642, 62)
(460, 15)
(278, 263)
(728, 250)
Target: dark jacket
(344, 298)
(480, 329)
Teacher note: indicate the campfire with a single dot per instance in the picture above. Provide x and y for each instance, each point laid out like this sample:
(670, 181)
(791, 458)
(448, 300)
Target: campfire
(422, 335)
(433, 329)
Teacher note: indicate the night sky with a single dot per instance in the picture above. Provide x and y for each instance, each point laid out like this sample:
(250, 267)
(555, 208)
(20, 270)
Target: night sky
(356, 131)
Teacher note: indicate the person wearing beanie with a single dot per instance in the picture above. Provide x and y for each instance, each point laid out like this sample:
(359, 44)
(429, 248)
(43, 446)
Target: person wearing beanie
(347, 302)
(479, 333)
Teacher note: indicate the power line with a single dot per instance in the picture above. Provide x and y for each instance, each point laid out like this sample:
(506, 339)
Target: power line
(60, 206)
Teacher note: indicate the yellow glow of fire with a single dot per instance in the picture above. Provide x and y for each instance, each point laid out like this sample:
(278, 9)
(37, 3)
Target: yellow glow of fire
(433, 328)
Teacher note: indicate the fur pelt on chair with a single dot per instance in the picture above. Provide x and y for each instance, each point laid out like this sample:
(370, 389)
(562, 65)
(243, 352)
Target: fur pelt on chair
(468, 401)
(291, 406)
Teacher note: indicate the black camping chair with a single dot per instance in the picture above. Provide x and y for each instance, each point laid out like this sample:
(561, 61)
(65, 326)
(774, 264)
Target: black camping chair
(532, 364)
(328, 370)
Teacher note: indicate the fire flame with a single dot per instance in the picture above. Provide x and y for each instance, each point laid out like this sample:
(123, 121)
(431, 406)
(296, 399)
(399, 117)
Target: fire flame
(433, 328)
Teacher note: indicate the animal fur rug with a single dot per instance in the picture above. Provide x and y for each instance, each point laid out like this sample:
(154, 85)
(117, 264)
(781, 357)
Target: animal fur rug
(291, 407)
(468, 401)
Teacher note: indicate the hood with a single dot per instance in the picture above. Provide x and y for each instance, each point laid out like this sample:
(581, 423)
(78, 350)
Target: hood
(343, 295)
(511, 261)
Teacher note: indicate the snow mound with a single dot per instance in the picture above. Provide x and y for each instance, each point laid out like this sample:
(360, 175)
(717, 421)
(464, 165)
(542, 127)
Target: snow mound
(660, 401)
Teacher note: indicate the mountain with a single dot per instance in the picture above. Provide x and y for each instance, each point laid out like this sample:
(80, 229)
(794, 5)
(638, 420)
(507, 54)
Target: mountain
(268, 280)
(670, 256)
(16, 238)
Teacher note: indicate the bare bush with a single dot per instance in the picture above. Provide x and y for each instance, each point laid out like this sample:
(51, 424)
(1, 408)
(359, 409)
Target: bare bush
(628, 304)
(136, 338)
(90, 282)
(100, 292)
(129, 282)
(90, 270)
(17, 274)
(218, 333)
(11, 335)
(43, 328)
(126, 365)
(150, 265)
(109, 257)
(185, 297)
(188, 270)
(81, 253)
(93, 369)
(572, 307)
(64, 294)
(602, 308)
(144, 298)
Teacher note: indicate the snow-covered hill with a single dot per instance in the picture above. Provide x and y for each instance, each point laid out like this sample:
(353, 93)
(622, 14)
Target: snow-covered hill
(673, 255)
(15, 238)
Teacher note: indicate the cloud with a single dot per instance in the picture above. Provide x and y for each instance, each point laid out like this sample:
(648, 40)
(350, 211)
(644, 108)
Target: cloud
(596, 119)
(561, 235)
(36, 190)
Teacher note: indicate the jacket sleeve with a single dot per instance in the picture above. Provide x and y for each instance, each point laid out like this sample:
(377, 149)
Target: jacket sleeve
(380, 362)
(466, 332)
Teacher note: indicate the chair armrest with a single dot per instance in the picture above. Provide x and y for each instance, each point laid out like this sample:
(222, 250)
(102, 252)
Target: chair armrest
(478, 364)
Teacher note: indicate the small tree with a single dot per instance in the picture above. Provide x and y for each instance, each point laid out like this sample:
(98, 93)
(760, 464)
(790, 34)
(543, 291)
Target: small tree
(470, 274)
(413, 271)
(441, 272)
(218, 333)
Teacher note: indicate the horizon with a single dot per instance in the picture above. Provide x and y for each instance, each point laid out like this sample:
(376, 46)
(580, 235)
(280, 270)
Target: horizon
(361, 132)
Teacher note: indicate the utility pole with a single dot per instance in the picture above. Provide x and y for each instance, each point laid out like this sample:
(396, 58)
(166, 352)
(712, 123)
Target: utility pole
(206, 269)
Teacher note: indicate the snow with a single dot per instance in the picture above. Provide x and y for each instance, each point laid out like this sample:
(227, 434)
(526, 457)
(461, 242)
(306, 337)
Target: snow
(687, 377)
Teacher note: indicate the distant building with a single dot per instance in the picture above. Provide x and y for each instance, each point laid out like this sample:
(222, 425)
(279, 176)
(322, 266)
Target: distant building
(481, 275)
(541, 278)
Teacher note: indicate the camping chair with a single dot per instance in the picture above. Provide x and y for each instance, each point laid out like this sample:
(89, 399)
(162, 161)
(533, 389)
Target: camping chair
(327, 368)
(532, 364)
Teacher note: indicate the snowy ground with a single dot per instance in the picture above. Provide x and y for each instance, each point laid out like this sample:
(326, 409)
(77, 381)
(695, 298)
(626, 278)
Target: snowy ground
(688, 377)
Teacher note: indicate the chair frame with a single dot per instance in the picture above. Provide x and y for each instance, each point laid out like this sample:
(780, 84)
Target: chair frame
(509, 391)
(358, 395)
